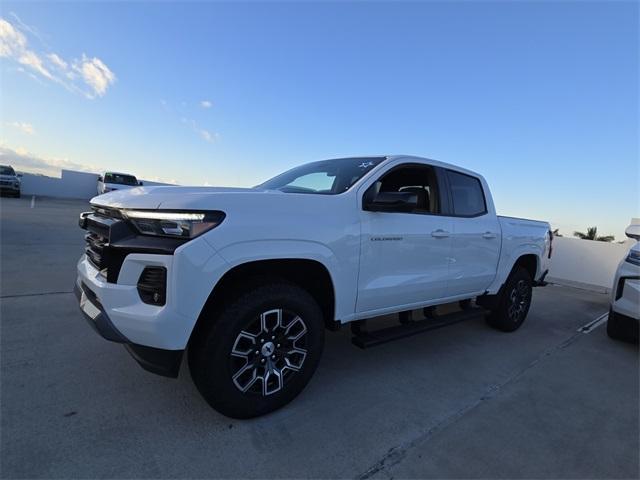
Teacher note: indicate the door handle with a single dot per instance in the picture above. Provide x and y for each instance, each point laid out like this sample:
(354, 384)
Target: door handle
(440, 233)
(489, 235)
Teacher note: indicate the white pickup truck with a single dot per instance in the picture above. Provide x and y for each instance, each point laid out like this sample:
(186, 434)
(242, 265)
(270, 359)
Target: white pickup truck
(247, 280)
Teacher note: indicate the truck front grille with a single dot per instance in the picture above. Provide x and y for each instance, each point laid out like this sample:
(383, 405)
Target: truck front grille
(95, 249)
(98, 226)
(110, 238)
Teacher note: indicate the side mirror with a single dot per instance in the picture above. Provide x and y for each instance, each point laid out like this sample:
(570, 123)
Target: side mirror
(393, 202)
(140, 183)
(19, 175)
(100, 178)
(633, 231)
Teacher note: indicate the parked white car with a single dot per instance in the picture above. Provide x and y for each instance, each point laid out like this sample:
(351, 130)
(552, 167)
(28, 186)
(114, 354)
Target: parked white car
(110, 181)
(624, 314)
(248, 279)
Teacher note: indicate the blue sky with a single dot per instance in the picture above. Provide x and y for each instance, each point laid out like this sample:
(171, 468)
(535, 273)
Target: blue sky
(539, 97)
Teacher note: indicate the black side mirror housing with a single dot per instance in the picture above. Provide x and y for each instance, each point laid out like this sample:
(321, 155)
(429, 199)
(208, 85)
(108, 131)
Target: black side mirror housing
(393, 202)
(140, 183)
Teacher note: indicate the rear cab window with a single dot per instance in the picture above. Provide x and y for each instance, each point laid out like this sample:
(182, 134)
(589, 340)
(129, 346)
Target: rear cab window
(467, 195)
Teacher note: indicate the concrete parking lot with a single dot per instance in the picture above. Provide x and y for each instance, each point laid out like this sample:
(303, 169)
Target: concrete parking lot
(466, 401)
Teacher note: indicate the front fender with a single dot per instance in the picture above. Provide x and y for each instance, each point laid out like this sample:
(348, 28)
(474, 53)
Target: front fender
(344, 282)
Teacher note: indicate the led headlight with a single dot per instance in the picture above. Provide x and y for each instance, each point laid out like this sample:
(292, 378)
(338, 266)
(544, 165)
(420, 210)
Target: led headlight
(173, 223)
(633, 257)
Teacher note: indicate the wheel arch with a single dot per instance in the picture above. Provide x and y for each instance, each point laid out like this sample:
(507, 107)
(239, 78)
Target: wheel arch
(307, 273)
(529, 262)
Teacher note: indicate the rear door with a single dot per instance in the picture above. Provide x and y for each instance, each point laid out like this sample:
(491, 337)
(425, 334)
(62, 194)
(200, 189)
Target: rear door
(476, 238)
(404, 255)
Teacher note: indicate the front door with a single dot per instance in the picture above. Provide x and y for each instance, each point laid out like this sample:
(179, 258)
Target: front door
(404, 255)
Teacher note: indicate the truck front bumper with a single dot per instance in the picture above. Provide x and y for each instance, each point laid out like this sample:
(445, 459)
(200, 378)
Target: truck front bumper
(118, 314)
(156, 360)
(9, 189)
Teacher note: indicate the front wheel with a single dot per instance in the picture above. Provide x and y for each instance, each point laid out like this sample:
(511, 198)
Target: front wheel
(260, 351)
(514, 302)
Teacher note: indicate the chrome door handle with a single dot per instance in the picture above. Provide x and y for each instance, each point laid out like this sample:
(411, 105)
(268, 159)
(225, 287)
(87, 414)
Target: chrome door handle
(440, 233)
(489, 235)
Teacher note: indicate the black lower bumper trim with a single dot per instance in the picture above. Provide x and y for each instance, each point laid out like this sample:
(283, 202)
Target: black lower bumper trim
(624, 327)
(155, 360)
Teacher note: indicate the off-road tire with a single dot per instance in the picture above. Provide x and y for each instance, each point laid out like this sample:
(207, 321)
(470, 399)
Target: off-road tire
(213, 366)
(513, 303)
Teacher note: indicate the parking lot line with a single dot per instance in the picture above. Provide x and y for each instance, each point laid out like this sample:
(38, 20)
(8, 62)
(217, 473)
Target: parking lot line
(591, 326)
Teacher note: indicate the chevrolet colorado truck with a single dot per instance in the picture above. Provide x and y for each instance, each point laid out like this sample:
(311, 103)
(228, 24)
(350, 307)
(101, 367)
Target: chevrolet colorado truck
(247, 280)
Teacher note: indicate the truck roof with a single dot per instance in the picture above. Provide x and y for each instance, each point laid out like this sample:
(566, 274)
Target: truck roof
(436, 163)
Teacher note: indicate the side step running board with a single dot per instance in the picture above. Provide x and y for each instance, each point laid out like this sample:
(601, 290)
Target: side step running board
(366, 339)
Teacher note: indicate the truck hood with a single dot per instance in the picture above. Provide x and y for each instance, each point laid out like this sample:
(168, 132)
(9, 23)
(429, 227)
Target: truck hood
(169, 197)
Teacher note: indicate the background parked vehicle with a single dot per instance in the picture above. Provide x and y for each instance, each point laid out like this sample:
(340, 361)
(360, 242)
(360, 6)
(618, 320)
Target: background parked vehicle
(9, 181)
(624, 313)
(110, 181)
(249, 279)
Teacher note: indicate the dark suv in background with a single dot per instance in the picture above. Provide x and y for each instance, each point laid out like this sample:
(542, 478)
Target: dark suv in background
(9, 181)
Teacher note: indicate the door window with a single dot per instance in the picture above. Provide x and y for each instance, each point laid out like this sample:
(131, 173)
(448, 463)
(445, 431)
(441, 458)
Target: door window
(418, 179)
(467, 195)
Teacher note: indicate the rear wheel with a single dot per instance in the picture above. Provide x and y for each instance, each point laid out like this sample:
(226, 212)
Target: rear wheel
(513, 304)
(260, 351)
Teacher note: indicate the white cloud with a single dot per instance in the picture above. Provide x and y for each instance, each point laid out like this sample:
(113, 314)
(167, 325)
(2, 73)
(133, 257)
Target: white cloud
(23, 160)
(12, 41)
(206, 135)
(23, 126)
(88, 76)
(203, 133)
(32, 30)
(13, 44)
(57, 61)
(30, 59)
(95, 74)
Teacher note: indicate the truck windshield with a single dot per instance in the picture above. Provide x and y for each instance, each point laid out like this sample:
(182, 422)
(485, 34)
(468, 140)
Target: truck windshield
(6, 171)
(120, 179)
(327, 177)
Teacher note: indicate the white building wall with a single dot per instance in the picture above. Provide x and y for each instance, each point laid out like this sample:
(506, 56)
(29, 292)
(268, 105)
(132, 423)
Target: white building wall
(70, 184)
(586, 263)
